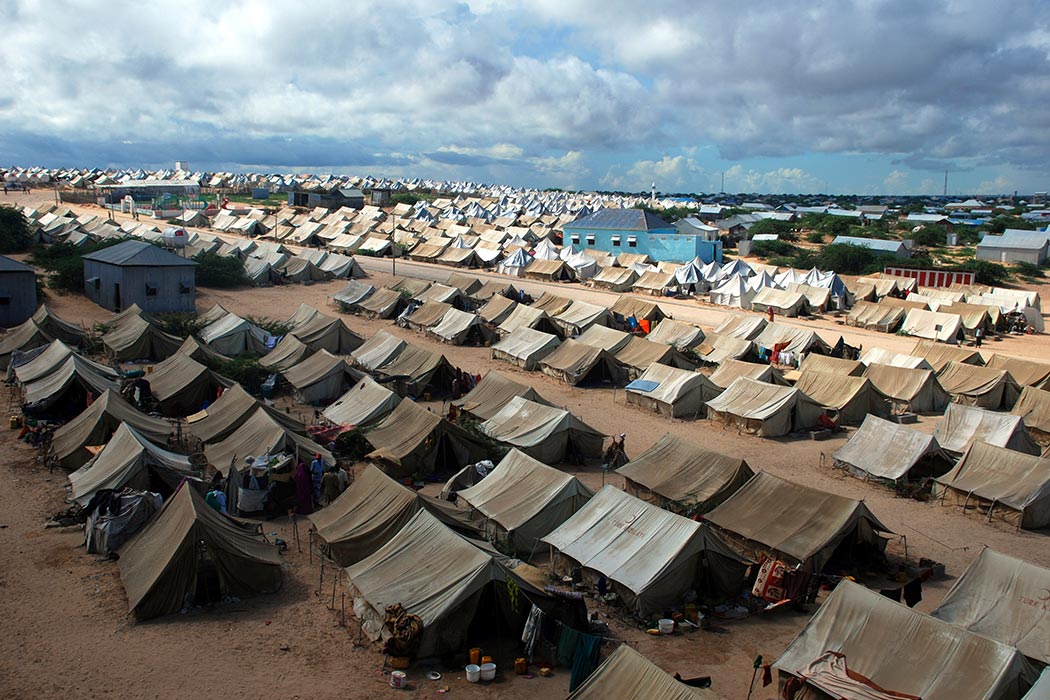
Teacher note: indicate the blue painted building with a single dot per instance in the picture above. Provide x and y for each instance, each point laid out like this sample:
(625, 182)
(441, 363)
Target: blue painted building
(619, 231)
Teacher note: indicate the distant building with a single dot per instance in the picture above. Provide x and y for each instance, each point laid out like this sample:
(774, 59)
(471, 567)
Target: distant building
(136, 272)
(897, 248)
(17, 292)
(380, 197)
(1015, 245)
(336, 199)
(619, 231)
(694, 226)
(145, 190)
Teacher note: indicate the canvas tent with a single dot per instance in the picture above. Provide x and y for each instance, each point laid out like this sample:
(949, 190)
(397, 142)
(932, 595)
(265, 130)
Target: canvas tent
(31, 366)
(97, 423)
(627, 675)
(138, 339)
(181, 385)
(416, 370)
(740, 326)
(261, 434)
(605, 338)
(837, 365)
(716, 349)
(683, 336)
(378, 350)
(682, 477)
(193, 347)
(653, 562)
(366, 403)
(579, 317)
(230, 411)
(764, 409)
(964, 424)
(64, 390)
(1024, 372)
(353, 293)
(288, 352)
(371, 511)
(321, 378)
(1033, 407)
(638, 354)
(730, 370)
(412, 440)
(459, 328)
(847, 399)
(993, 598)
(792, 338)
(676, 393)
(526, 317)
(983, 387)
(548, 434)
(321, 332)
(915, 390)
(889, 452)
(614, 279)
(879, 317)
(525, 348)
(999, 483)
(939, 354)
(492, 393)
(880, 356)
(425, 316)
(162, 565)
(129, 460)
(628, 306)
(497, 309)
(232, 335)
(783, 303)
(522, 500)
(800, 525)
(384, 303)
(575, 363)
(443, 578)
(860, 644)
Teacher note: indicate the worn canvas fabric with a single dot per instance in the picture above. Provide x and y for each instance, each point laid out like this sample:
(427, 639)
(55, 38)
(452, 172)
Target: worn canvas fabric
(764, 409)
(543, 432)
(963, 425)
(627, 675)
(887, 451)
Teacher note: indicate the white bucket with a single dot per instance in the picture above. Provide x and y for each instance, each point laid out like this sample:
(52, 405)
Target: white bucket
(398, 679)
(488, 672)
(473, 673)
(666, 626)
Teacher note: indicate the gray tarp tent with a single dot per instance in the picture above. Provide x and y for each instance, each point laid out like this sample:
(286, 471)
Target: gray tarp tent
(371, 511)
(979, 386)
(683, 477)
(492, 393)
(548, 434)
(963, 425)
(673, 392)
(850, 398)
(801, 525)
(994, 598)
(160, 566)
(890, 452)
(321, 378)
(915, 390)
(365, 404)
(999, 483)
(130, 460)
(899, 650)
(522, 500)
(764, 409)
(525, 348)
(574, 362)
(654, 561)
(627, 675)
(97, 423)
(412, 441)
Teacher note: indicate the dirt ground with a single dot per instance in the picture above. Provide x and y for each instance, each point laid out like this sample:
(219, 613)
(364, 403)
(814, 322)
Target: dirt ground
(64, 611)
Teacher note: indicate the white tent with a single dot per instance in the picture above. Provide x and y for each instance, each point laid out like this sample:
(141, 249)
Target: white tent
(887, 451)
(964, 424)
(548, 434)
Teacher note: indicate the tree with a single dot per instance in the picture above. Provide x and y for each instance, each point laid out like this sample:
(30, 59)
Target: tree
(220, 272)
(14, 231)
(64, 262)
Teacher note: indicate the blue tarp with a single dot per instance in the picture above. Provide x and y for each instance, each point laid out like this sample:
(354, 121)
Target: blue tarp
(642, 385)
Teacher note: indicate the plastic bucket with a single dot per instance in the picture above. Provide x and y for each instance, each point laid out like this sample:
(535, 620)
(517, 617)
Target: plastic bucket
(473, 673)
(398, 679)
(666, 626)
(488, 671)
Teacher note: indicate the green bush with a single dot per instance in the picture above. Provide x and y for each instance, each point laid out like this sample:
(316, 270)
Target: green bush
(180, 324)
(220, 272)
(929, 237)
(64, 262)
(245, 371)
(1028, 270)
(269, 325)
(815, 237)
(765, 249)
(14, 231)
(986, 272)
(777, 228)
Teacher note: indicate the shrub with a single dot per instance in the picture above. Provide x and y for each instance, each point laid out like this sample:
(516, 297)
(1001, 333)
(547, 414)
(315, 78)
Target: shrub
(245, 371)
(180, 324)
(765, 249)
(269, 325)
(1029, 270)
(220, 272)
(986, 272)
(815, 237)
(14, 231)
(929, 237)
(64, 262)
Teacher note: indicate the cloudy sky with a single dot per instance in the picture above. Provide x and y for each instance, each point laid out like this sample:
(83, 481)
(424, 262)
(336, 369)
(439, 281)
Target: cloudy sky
(839, 96)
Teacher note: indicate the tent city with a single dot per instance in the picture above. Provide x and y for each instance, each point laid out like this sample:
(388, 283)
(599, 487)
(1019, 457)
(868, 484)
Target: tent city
(562, 351)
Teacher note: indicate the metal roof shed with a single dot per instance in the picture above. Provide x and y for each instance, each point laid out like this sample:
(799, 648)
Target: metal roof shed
(136, 272)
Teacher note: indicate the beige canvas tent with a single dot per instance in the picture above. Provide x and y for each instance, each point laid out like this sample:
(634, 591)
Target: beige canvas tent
(138, 339)
(497, 309)
(627, 675)
(638, 354)
(999, 483)
(525, 347)
(232, 335)
(683, 336)
(932, 325)
(199, 351)
(651, 563)
(377, 351)
(579, 317)
(743, 327)
(577, 363)
(321, 332)
(522, 500)
(261, 434)
(460, 328)
(413, 441)
(999, 596)
(65, 389)
(764, 409)
(415, 371)
(605, 338)
(963, 425)
(782, 302)
(1033, 407)
(889, 452)
(1024, 372)
(97, 423)
(614, 279)
(366, 403)
(526, 317)
(627, 306)
(881, 356)
(863, 645)
(130, 460)
(716, 349)
(492, 393)
(794, 339)
(548, 434)
(289, 352)
(682, 477)
(230, 411)
(837, 365)
(383, 303)
(800, 525)
(915, 390)
(730, 370)
(677, 393)
(983, 387)
(873, 316)
(321, 378)
(425, 316)
(182, 386)
(161, 567)
(846, 399)
(939, 354)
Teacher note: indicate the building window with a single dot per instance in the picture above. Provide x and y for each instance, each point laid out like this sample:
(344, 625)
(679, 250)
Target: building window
(590, 239)
(616, 241)
(183, 289)
(94, 282)
(632, 241)
(574, 238)
(151, 291)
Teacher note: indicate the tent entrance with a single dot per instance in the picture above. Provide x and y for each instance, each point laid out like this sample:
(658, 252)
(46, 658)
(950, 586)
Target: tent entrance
(208, 590)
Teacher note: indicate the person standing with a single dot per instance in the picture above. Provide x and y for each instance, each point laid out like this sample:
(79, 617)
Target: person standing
(978, 336)
(330, 486)
(303, 490)
(316, 474)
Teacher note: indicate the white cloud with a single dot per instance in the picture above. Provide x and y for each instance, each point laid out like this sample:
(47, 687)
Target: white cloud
(896, 182)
